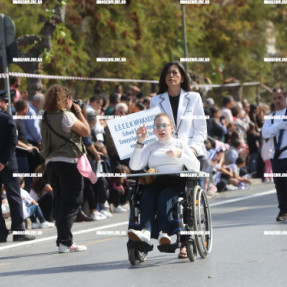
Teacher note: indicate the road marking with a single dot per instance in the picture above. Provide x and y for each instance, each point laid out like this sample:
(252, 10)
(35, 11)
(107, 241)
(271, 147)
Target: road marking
(54, 237)
(126, 222)
(243, 198)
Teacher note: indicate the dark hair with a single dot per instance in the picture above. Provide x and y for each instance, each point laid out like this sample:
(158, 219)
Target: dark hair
(240, 160)
(236, 143)
(20, 105)
(213, 110)
(95, 98)
(162, 84)
(226, 100)
(114, 98)
(235, 111)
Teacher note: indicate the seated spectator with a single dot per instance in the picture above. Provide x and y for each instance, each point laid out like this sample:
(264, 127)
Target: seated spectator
(236, 179)
(216, 129)
(32, 210)
(119, 190)
(232, 154)
(42, 192)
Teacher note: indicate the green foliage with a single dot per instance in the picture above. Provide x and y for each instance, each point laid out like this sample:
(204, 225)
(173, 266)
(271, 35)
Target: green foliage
(148, 33)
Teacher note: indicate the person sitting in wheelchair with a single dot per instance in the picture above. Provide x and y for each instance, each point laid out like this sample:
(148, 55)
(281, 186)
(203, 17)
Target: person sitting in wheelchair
(167, 154)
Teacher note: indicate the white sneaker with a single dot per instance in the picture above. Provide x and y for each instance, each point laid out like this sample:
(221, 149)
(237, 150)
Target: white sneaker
(73, 248)
(106, 213)
(119, 209)
(231, 187)
(36, 225)
(98, 216)
(139, 235)
(47, 224)
(126, 206)
(164, 238)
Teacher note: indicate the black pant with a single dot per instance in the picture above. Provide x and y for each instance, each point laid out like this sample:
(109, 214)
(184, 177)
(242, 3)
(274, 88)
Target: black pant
(46, 203)
(280, 166)
(12, 187)
(67, 184)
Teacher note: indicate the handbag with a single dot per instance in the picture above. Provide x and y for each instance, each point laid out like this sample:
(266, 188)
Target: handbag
(148, 179)
(83, 164)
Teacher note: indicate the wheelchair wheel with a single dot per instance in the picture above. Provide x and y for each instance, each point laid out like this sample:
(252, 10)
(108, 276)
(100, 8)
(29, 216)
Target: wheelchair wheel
(132, 256)
(202, 222)
(191, 250)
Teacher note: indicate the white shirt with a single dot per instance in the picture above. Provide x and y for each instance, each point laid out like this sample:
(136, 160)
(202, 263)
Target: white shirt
(228, 114)
(26, 199)
(271, 130)
(154, 156)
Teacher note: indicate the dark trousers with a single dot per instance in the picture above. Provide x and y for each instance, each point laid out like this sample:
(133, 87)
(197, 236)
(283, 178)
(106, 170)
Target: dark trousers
(158, 201)
(280, 166)
(46, 202)
(12, 187)
(67, 184)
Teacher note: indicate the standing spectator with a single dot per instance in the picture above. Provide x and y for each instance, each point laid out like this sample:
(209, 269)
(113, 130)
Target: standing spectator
(226, 110)
(8, 166)
(253, 139)
(276, 129)
(62, 145)
(14, 85)
(115, 98)
(37, 103)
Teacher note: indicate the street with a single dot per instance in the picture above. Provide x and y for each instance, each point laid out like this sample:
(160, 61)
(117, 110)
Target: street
(242, 255)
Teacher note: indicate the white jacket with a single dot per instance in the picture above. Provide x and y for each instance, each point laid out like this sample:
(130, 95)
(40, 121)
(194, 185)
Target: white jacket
(190, 129)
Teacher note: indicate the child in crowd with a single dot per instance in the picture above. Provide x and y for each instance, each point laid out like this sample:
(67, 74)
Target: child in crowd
(32, 210)
(239, 181)
(119, 190)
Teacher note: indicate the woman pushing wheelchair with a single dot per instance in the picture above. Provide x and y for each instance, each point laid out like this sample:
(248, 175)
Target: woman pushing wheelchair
(169, 155)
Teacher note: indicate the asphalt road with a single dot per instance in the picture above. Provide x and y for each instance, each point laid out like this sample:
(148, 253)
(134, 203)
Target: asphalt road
(242, 255)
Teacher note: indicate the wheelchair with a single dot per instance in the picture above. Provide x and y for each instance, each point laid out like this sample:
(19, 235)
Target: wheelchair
(192, 222)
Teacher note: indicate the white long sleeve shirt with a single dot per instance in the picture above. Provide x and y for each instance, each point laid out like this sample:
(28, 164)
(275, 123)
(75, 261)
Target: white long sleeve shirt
(270, 130)
(154, 156)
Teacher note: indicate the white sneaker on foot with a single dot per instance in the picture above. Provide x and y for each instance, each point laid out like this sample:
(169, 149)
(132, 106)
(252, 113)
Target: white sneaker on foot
(47, 224)
(164, 238)
(98, 216)
(73, 248)
(36, 225)
(119, 209)
(139, 235)
(106, 213)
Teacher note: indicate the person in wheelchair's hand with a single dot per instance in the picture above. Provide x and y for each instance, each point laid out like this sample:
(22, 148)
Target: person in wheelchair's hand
(167, 155)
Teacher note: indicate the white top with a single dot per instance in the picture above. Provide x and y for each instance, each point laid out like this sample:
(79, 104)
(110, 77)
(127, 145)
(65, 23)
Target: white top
(26, 199)
(191, 123)
(154, 156)
(228, 114)
(270, 131)
(68, 121)
(35, 195)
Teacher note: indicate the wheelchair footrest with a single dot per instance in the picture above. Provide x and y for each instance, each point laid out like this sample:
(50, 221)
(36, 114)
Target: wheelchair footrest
(167, 248)
(143, 246)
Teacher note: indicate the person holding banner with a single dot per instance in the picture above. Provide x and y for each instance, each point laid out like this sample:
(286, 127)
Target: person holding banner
(167, 154)
(185, 109)
(62, 144)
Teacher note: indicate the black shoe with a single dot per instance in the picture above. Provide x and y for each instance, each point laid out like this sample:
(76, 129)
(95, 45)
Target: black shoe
(281, 217)
(4, 238)
(23, 237)
(82, 216)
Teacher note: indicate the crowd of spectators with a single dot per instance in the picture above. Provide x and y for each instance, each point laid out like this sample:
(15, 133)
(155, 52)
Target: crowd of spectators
(233, 150)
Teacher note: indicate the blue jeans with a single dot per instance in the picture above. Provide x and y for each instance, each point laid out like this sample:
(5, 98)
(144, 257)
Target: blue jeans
(158, 201)
(35, 212)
